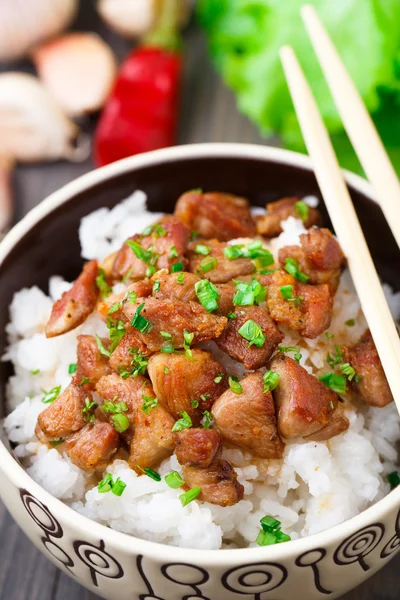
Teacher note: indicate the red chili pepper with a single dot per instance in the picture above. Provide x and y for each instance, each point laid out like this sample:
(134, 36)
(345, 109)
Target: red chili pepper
(141, 113)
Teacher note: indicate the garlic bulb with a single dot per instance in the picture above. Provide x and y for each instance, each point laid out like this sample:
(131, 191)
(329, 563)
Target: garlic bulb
(32, 125)
(78, 69)
(24, 23)
(6, 200)
(134, 18)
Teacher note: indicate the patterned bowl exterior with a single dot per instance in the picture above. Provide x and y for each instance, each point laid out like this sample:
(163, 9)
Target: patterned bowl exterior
(112, 564)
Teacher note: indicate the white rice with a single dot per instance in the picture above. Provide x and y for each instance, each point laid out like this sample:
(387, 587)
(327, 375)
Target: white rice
(315, 486)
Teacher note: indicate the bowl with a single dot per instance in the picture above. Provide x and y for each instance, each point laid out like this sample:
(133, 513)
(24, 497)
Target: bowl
(115, 565)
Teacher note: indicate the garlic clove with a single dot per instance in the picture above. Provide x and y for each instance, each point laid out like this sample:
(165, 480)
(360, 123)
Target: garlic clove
(6, 197)
(129, 18)
(32, 125)
(25, 23)
(78, 69)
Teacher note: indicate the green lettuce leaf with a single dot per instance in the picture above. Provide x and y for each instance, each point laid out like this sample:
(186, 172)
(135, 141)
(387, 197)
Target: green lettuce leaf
(244, 38)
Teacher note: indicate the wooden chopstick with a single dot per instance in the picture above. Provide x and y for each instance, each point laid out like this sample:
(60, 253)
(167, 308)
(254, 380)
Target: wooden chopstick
(357, 121)
(344, 219)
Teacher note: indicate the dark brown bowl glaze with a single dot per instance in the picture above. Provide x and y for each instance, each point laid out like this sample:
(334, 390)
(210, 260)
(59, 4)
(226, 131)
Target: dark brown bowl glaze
(51, 246)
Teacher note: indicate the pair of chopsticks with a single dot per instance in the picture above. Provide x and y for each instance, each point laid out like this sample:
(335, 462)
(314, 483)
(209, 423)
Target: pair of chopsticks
(378, 168)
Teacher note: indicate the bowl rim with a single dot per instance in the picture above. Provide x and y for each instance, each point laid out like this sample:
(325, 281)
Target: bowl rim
(130, 544)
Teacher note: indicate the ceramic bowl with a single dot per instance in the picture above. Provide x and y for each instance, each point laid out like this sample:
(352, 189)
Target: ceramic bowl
(113, 564)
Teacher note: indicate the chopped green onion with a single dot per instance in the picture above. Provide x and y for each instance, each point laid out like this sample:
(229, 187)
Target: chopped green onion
(140, 322)
(149, 403)
(168, 348)
(393, 479)
(329, 335)
(235, 385)
(85, 380)
(157, 230)
(336, 383)
(207, 294)
(88, 410)
(150, 473)
(149, 257)
(166, 335)
(349, 371)
(51, 395)
(181, 278)
(219, 378)
(114, 307)
(128, 274)
(271, 532)
(336, 358)
(292, 267)
(173, 253)
(187, 340)
(253, 333)
(108, 484)
(271, 380)
(113, 407)
(202, 249)
(156, 285)
(184, 423)
(231, 315)
(150, 271)
(55, 443)
(208, 418)
(116, 330)
(35, 372)
(194, 403)
(72, 368)
(254, 250)
(101, 282)
(174, 480)
(120, 422)
(193, 235)
(302, 210)
(101, 347)
(286, 292)
(166, 370)
(138, 363)
(177, 267)
(189, 496)
(208, 264)
(350, 322)
(297, 355)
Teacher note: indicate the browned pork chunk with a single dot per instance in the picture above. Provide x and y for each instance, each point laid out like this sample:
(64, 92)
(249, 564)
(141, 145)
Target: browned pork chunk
(253, 357)
(92, 447)
(115, 302)
(149, 435)
(372, 386)
(182, 384)
(320, 257)
(248, 419)
(173, 317)
(310, 309)
(304, 405)
(165, 246)
(225, 301)
(270, 224)
(218, 483)
(197, 447)
(338, 423)
(215, 266)
(174, 285)
(91, 363)
(75, 306)
(215, 214)
(64, 416)
(129, 352)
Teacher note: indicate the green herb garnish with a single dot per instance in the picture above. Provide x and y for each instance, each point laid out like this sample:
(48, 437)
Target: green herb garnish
(208, 264)
(157, 230)
(156, 285)
(88, 410)
(208, 418)
(51, 395)
(271, 532)
(175, 268)
(349, 371)
(149, 256)
(189, 496)
(235, 385)
(302, 210)
(187, 340)
(174, 480)
(253, 333)
(292, 267)
(219, 378)
(114, 307)
(101, 347)
(248, 293)
(150, 473)
(84, 381)
(173, 253)
(336, 383)
(35, 372)
(184, 423)
(350, 322)
(271, 380)
(181, 278)
(108, 484)
(336, 358)
(297, 355)
(148, 403)
(116, 330)
(72, 368)
(101, 282)
(202, 249)
(207, 294)
(141, 323)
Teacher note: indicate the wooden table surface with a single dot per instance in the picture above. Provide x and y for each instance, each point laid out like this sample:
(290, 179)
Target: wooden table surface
(208, 114)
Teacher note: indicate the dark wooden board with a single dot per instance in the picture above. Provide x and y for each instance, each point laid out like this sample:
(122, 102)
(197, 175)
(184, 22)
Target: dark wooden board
(208, 114)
